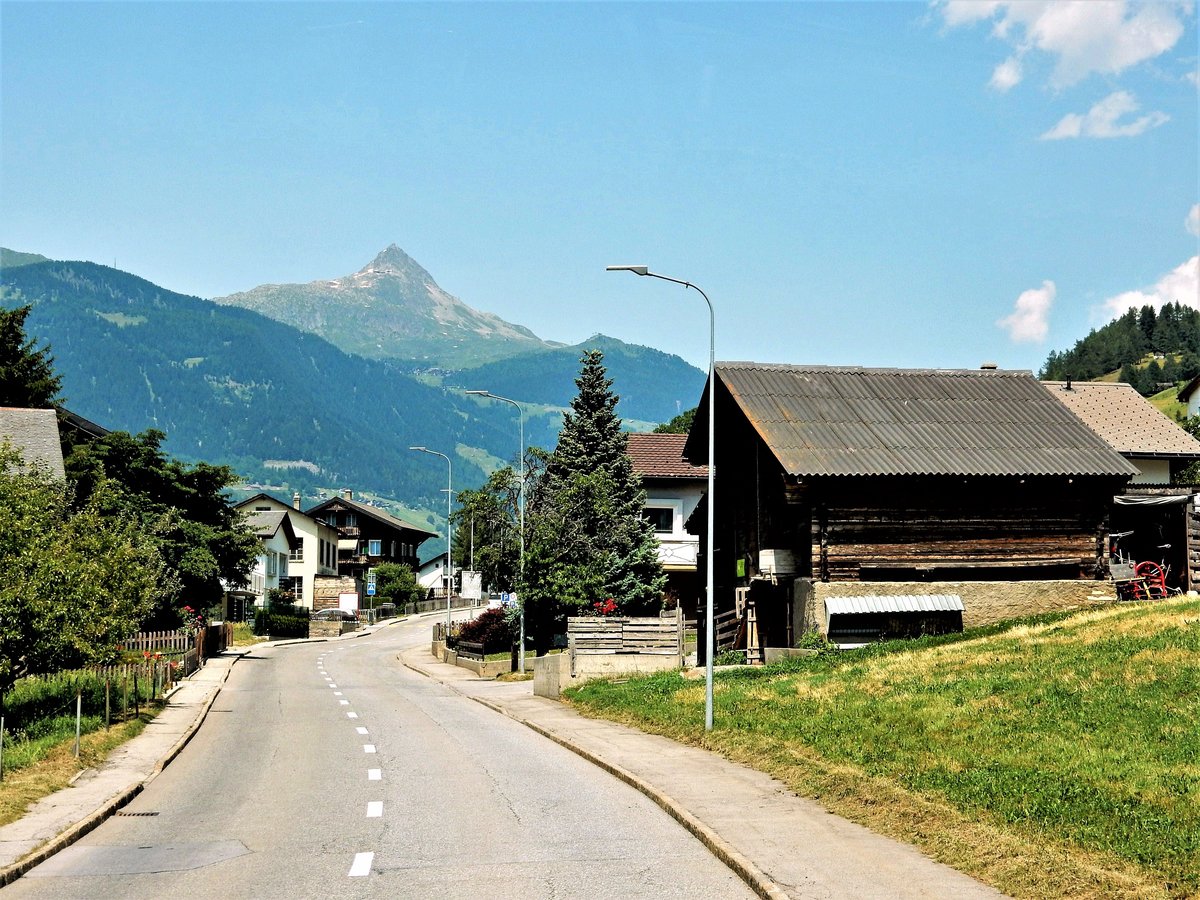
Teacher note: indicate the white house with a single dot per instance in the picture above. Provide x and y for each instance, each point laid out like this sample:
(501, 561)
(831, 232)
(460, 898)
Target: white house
(277, 541)
(674, 488)
(315, 549)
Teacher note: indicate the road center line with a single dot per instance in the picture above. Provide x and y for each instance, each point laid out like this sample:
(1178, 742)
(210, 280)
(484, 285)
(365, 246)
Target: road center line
(374, 774)
(368, 748)
(361, 730)
(351, 715)
(362, 865)
(375, 809)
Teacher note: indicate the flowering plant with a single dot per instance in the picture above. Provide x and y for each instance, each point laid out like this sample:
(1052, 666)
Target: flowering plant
(192, 620)
(605, 607)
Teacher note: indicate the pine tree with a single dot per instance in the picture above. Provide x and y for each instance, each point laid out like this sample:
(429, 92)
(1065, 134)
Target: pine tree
(587, 540)
(27, 376)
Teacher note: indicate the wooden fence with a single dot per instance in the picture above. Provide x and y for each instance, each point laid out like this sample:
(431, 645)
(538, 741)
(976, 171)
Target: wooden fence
(657, 636)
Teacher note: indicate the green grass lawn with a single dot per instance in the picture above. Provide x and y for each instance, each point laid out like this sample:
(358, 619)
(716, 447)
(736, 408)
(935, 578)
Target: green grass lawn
(1059, 758)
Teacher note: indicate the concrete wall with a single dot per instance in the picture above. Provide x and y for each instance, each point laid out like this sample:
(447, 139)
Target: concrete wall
(984, 602)
(553, 674)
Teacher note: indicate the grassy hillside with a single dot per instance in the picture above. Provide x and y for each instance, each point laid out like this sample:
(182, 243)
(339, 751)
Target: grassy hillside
(1055, 758)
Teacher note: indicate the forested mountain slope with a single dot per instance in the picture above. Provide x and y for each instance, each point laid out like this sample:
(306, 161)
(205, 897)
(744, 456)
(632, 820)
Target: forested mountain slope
(1171, 335)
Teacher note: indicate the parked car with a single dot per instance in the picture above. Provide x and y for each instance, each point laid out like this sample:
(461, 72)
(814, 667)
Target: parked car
(335, 615)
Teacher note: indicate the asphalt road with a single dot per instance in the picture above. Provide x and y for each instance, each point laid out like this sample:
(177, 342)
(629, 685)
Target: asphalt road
(329, 770)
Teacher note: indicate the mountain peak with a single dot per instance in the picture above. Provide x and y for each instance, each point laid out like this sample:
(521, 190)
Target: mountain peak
(394, 261)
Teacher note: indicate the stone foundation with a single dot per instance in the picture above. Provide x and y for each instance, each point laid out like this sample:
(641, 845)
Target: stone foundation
(984, 602)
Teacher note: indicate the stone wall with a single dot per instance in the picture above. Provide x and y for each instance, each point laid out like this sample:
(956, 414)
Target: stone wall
(984, 602)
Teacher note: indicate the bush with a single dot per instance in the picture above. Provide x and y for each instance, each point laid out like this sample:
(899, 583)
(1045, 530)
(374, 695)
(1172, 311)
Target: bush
(492, 628)
(34, 702)
(282, 620)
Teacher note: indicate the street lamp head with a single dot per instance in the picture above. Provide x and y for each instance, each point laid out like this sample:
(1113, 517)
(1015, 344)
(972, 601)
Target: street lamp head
(478, 393)
(636, 270)
(424, 449)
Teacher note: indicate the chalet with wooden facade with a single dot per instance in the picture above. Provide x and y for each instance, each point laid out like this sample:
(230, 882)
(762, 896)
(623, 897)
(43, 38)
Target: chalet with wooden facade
(944, 496)
(369, 535)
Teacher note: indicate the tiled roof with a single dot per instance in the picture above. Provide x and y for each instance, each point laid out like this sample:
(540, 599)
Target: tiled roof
(661, 456)
(838, 421)
(1124, 418)
(33, 433)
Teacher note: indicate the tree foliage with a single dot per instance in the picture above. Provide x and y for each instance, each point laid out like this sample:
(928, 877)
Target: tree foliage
(681, 424)
(587, 540)
(27, 376)
(199, 533)
(75, 578)
(1172, 332)
(396, 583)
(487, 527)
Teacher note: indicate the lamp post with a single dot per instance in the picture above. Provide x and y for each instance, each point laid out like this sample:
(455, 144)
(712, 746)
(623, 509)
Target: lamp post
(449, 529)
(521, 516)
(712, 472)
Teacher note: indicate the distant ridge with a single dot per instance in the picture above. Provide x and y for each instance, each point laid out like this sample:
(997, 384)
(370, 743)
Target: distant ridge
(391, 308)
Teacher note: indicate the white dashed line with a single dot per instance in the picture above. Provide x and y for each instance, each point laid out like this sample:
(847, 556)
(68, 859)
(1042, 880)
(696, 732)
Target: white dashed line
(375, 809)
(374, 774)
(344, 702)
(368, 748)
(362, 865)
(351, 715)
(337, 693)
(361, 730)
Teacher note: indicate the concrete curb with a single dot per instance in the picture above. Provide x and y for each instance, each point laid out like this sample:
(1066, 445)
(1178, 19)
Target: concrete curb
(754, 877)
(70, 835)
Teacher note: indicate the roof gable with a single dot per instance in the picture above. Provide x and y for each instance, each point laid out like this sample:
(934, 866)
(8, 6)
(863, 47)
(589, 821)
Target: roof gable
(854, 421)
(373, 512)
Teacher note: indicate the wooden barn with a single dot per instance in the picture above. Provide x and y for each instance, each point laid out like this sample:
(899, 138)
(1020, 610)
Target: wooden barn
(834, 483)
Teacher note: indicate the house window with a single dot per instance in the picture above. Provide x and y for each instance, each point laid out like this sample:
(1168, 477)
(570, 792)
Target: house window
(373, 548)
(351, 520)
(272, 565)
(663, 518)
(297, 555)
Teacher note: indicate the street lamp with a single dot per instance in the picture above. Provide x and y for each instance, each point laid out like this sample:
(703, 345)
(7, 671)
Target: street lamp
(449, 529)
(712, 472)
(521, 515)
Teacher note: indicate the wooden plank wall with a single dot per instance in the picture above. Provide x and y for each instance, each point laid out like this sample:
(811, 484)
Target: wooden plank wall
(625, 634)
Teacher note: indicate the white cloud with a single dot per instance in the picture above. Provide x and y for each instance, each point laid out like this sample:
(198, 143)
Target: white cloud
(1007, 75)
(1192, 222)
(1082, 36)
(1180, 285)
(1101, 120)
(1030, 317)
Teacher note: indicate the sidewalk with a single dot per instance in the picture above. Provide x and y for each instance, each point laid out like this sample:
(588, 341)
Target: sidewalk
(782, 845)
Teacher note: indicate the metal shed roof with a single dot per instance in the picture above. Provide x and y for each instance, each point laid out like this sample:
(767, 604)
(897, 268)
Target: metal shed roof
(894, 603)
(1128, 421)
(855, 421)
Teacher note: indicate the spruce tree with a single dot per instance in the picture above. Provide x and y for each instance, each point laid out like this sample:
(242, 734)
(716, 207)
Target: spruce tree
(588, 541)
(27, 376)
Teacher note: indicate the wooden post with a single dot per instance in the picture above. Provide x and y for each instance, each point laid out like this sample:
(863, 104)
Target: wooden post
(1, 748)
(107, 700)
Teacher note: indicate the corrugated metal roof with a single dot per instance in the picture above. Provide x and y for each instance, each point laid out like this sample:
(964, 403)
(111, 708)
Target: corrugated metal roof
(839, 421)
(894, 603)
(1124, 418)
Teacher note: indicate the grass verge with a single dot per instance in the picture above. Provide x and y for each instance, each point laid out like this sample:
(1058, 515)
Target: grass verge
(51, 765)
(1055, 758)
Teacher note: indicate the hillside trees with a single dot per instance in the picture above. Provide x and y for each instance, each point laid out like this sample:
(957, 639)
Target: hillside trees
(75, 579)
(587, 540)
(1122, 344)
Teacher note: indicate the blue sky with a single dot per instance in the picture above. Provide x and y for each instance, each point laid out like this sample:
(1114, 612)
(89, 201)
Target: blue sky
(892, 184)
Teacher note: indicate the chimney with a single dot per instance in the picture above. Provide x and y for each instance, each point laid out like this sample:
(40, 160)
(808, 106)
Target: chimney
(347, 494)
(989, 367)
(296, 500)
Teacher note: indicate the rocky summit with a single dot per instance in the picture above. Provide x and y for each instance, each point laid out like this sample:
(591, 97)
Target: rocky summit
(391, 308)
